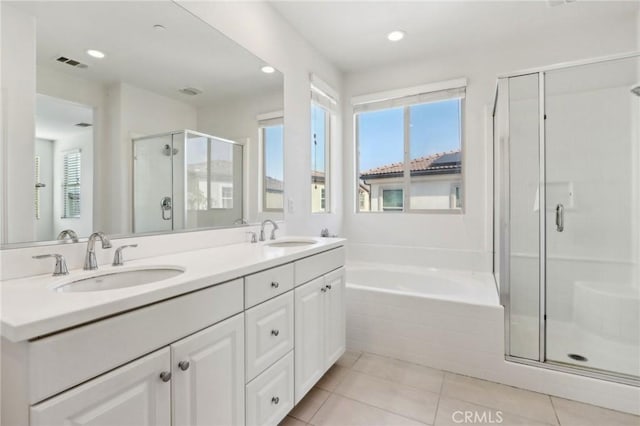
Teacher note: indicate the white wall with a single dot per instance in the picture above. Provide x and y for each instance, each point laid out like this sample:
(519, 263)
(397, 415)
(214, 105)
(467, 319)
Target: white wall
(468, 237)
(136, 112)
(237, 120)
(18, 107)
(44, 225)
(62, 85)
(258, 28)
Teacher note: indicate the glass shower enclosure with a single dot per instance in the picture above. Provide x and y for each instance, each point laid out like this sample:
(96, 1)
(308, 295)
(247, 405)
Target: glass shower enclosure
(186, 180)
(567, 216)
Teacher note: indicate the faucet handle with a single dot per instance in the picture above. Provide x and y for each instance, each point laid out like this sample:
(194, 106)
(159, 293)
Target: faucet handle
(61, 264)
(254, 237)
(118, 258)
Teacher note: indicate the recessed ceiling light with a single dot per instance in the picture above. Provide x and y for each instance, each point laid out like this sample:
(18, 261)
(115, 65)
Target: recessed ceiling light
(268, 69)
(395, 35)
(95, 53)
(159, 27)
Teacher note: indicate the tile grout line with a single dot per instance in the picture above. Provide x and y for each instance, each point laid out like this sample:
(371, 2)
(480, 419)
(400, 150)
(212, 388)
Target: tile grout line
(435, 416)
(554, 410)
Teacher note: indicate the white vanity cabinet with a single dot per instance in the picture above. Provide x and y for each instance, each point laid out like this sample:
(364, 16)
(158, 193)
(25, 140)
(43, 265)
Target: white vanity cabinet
(200, 379)
(241, 352)
(319, 328)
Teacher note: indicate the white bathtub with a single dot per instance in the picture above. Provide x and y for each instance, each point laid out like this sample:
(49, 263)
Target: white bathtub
(456, 286)
(451, 320)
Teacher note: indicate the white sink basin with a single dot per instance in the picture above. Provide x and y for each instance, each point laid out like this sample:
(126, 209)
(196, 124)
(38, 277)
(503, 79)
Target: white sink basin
(291, 242)
(120, 279)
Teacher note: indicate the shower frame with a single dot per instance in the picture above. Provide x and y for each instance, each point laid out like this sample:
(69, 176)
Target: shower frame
(504, 208)
(185, 132)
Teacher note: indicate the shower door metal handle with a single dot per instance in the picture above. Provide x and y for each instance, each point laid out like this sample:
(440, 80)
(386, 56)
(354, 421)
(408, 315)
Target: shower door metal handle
(559, 218)
(165, 206)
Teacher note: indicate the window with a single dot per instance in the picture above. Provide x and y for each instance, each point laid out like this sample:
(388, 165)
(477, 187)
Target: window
(320, 128)
(71, 184)
(410, 149)
(323, 111)
(392, 200)
(227, 197)
(272, 138)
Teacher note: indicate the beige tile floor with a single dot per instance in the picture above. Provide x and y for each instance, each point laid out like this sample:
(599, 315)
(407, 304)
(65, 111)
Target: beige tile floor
(369, 390)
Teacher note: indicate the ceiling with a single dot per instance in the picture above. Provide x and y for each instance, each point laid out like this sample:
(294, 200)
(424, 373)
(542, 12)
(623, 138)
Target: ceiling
(188, 53)
(352, 34)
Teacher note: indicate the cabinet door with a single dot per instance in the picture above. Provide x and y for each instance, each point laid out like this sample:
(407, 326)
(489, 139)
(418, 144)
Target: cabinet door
(209, 390)
(309, 339)
(335, 336)
(133, 394)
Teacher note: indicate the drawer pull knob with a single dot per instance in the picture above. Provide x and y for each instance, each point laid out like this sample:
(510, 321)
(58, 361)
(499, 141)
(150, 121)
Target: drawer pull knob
(165, 376)
(275, 332)
(275, 400)
(328, 286)
(275, 284)
(184, 365)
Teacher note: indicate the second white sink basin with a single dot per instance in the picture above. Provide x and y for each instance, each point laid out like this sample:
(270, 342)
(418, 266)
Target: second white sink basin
(291, 242)
(120, 279)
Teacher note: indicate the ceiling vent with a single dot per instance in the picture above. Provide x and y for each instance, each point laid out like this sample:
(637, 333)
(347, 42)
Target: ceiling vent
(71, 62)
(191, 91)
(83, 124)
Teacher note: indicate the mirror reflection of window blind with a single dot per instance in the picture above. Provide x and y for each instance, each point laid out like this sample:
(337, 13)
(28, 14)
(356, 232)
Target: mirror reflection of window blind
(71, 184)
(37, 188)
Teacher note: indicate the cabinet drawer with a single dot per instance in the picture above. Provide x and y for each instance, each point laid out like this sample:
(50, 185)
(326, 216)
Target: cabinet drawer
(314, 266)
(270, 396)
(267, 284)
(269, 333)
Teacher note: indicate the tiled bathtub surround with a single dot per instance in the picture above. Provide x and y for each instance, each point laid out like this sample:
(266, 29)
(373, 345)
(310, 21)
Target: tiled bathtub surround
(366, 389)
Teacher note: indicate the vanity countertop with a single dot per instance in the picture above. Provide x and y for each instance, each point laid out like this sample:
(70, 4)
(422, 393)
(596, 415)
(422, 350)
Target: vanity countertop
(30, 307)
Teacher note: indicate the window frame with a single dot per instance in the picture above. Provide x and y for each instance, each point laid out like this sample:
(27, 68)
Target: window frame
(329, 117)
(403, 98)
(270, 120)
(66, 185)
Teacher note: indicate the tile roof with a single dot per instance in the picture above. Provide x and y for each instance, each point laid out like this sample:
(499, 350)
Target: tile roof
(440, 163)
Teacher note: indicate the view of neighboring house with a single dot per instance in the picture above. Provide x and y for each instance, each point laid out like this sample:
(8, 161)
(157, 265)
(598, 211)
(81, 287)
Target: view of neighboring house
(274, 193)
(318, 199)
(436, 183)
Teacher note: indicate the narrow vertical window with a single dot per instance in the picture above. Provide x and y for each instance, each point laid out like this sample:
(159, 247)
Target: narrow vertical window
(324, 107)
(272, 163)
(71, 184)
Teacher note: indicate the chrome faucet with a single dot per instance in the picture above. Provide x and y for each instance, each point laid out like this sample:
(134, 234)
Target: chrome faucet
(73, 236)
(273, 231)
(90, 262)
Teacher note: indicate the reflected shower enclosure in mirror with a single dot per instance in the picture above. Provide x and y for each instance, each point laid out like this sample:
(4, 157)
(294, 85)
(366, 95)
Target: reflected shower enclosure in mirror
(160, 131)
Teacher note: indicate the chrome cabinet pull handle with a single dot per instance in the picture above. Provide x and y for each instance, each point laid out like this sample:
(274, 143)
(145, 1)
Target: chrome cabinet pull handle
(275, 400)
(559, 218)
(165, 376)
(275, 284)
(184, 365)
(323, 289)
(275, 332)
(328, 286)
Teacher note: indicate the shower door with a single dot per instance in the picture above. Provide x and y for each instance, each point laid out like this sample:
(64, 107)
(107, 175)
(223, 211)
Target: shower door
(591, 193)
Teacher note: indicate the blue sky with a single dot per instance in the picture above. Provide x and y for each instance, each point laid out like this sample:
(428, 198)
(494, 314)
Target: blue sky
(434, 128)
(274, 151)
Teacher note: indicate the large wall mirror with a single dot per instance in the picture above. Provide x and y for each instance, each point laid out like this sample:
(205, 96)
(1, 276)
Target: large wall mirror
(132, 117)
